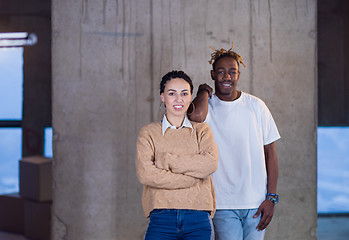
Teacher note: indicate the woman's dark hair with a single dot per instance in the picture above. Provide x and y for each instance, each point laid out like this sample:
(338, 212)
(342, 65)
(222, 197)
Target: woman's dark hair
(175, 74)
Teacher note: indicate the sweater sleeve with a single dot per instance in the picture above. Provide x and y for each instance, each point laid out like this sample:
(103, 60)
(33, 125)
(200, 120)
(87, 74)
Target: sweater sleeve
(198, 165)
(149, 174)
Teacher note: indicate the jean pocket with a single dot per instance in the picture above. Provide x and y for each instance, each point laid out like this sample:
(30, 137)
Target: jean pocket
(158, 211)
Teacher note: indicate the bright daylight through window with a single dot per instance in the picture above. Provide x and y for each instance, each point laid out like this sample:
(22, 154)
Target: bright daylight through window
(11, 106)
(333, 169)
(11, 89)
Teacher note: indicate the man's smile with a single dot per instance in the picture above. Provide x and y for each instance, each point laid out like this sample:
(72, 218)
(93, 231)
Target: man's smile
(227, 84)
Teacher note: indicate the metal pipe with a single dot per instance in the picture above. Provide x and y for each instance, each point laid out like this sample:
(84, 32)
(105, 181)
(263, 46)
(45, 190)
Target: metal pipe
(21, 39)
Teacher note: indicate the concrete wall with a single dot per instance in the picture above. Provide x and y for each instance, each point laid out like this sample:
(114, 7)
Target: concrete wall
(108, 58)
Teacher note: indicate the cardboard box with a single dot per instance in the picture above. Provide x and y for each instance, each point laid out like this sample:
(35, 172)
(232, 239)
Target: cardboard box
(12, 213)
(35, 178)
(37, 220)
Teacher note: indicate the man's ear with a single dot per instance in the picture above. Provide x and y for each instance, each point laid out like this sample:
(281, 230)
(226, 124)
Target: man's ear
(238, 74)
(212, 75)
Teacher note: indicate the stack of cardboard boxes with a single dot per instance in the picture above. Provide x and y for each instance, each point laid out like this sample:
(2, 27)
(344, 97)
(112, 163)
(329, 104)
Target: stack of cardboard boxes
(29, 212)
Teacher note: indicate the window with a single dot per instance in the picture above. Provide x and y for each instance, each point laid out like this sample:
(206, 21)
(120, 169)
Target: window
(48, 143)
(10, 153)
(11, 83)
(11, 108)
(333, 170)
(11, 98)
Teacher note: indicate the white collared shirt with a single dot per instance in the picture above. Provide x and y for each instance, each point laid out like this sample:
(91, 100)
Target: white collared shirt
(166, 124)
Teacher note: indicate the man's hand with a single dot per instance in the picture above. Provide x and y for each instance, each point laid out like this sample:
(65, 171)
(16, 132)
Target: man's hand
(203, 87)
(197, 111)
(267, 211)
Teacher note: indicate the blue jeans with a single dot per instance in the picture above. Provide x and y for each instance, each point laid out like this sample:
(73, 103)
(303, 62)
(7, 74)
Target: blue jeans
(179, 224)
(237, 225)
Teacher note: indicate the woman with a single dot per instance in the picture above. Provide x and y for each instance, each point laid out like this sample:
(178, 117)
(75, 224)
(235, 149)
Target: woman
(175, 160)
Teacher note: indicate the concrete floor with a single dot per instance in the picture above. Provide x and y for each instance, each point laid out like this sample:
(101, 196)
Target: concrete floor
(329, 228)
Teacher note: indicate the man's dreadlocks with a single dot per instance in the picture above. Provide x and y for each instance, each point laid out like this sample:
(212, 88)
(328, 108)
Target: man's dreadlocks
(217, 54)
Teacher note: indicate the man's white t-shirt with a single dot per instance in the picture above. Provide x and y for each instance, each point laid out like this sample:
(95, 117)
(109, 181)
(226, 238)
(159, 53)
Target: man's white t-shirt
(241, 128)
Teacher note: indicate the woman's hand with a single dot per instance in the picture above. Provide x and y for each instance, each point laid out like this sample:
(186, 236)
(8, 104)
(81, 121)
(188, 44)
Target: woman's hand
(162, 160)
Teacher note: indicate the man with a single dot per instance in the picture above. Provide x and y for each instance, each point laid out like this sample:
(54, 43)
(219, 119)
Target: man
(245, 133)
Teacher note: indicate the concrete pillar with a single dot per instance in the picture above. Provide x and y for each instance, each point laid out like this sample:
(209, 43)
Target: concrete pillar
(102, 89)
(108, 58)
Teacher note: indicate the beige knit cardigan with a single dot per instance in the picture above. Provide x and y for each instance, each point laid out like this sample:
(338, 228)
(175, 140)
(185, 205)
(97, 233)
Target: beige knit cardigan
(175, 168)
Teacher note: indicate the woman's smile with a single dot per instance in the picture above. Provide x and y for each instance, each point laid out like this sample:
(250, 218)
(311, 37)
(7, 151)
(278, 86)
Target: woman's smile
(178, 107)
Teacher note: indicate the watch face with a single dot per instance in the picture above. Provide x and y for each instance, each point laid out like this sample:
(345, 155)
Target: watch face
(273, 199)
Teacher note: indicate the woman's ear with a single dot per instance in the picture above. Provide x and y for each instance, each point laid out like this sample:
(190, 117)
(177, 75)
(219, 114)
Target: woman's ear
(162, 97)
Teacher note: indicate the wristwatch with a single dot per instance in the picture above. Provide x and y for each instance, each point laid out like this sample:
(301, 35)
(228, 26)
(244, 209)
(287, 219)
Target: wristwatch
(273, 198)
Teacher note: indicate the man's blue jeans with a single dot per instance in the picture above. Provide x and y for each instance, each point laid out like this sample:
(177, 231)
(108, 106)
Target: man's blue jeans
(237, 225)
(179, 224)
